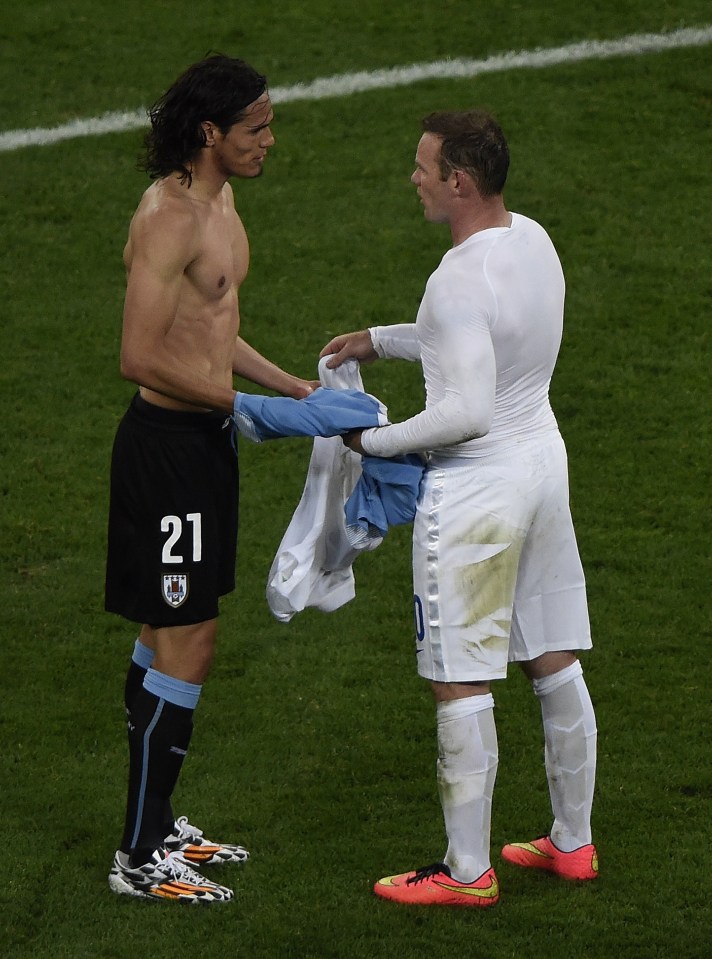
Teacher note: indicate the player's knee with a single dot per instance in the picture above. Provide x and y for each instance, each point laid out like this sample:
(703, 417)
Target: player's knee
(547, 664)
(186, 652)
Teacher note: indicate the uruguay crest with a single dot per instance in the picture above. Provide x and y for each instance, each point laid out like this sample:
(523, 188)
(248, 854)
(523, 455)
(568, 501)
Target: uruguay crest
(175, 589)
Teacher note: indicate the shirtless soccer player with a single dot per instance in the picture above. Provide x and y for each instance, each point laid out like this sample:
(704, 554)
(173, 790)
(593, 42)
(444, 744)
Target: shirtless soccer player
(173, 509)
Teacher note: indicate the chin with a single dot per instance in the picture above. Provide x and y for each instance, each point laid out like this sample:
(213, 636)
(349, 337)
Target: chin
(249, 174)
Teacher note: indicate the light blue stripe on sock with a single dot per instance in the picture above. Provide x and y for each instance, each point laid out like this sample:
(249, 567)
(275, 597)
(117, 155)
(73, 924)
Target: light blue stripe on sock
(175, 691)
(142, 655)
(144, 773)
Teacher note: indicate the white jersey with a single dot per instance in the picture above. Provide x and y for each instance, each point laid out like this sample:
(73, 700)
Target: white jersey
(487, 334)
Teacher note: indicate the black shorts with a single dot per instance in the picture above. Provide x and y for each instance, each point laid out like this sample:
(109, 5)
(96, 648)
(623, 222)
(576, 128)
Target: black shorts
(172, 515)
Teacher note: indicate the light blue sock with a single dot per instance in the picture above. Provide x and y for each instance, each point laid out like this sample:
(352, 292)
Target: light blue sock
(142, 655)
(175, 691)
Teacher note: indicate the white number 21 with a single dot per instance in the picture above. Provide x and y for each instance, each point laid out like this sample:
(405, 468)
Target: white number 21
(174, 526)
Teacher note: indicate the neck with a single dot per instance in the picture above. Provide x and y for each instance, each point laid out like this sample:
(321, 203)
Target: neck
(206, 183)
(488, 215)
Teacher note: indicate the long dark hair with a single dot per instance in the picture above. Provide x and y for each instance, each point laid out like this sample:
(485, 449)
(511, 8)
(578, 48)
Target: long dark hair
(218, 88)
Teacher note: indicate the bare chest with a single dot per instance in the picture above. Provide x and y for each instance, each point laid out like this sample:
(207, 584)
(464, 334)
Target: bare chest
(222, 258)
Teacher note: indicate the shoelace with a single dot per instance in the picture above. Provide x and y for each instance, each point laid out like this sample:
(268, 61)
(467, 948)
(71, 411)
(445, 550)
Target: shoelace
(186, 830)
(178, 868)
(425, 872)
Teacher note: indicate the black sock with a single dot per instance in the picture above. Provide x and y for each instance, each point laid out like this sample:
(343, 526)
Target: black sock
(141, 661)
(134, 682)
(159, 734)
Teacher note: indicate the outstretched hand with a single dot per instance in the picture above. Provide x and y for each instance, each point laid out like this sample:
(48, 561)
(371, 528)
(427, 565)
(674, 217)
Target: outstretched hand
(303, 388)
(306, 388)
(349, 346)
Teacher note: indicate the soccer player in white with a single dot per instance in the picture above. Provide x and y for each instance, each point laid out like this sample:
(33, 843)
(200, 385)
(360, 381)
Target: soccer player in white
(496, 570)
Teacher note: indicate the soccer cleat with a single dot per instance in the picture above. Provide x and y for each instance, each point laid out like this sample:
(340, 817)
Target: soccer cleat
(197, 850)
(166, 875)
(541, 853)
(434, 886)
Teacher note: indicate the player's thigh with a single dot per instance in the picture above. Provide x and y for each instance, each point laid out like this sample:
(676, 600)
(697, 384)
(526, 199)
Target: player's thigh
(172, 519)
(467, 541)
(550, 603)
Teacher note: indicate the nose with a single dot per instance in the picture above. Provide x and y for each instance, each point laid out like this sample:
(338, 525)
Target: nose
(414, 177)
(268, 139)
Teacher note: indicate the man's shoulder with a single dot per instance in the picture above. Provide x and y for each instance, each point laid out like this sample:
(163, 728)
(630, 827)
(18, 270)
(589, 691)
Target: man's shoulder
(162, 208)
(166, 198)
(164, 227)
(526, 224)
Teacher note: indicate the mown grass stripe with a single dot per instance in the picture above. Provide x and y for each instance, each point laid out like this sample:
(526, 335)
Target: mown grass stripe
(349, 83)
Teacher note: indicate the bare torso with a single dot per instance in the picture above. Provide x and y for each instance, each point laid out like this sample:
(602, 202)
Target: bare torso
(204, 260)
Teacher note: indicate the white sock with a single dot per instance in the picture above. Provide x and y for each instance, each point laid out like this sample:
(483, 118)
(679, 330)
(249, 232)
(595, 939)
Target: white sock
(467, 767)
(570, 754)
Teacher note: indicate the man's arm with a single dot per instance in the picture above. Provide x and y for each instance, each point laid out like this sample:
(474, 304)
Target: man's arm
(256, 368)
(465, 358)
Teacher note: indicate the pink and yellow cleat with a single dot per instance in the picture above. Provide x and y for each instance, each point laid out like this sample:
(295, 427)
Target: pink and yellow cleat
(434, 886)
(541, 853)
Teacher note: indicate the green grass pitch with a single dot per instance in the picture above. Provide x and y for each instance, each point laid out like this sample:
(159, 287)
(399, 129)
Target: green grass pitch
(315, 741)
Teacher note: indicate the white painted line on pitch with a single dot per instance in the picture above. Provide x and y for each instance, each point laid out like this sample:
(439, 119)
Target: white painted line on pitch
(345, 84)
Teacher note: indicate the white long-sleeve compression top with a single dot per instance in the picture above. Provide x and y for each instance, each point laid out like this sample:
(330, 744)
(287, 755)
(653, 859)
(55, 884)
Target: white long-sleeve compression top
(487, 334)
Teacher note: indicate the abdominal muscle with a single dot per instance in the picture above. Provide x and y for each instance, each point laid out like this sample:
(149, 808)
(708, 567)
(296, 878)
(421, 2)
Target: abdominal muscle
(201, 337)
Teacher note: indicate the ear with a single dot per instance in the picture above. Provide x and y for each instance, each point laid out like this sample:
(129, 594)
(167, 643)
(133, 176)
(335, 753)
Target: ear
(209, 130)
(463, 184)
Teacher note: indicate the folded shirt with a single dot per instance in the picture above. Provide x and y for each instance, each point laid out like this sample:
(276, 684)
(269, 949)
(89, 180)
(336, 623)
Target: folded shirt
(313, 564)
(346, 507)
(385, 495)
(325, 412)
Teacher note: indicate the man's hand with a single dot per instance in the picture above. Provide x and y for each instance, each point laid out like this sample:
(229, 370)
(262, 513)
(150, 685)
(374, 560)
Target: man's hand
(303, 388)
(356, 346)
(353, 441)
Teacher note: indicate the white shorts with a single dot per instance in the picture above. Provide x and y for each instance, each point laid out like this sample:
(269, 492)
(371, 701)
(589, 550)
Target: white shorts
(496, 570)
